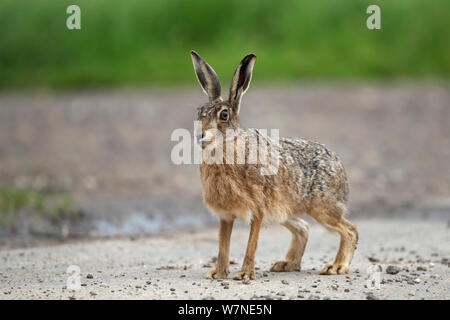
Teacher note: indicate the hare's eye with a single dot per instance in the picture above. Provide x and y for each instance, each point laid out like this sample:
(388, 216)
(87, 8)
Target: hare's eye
(224, 115)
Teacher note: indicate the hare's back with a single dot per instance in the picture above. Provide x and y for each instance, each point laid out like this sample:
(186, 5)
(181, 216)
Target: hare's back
(318, 170)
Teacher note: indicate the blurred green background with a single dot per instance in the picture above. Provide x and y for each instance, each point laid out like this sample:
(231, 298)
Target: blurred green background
(142, 42)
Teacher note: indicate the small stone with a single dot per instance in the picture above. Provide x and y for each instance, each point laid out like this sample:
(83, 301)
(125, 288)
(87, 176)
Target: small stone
(373, 259)
(417, 280)
(371, 296)
(431, 265)
(392, 270)
(90, 276)
(420, 268)
(172, 289)
(284, 282)
(92, 293)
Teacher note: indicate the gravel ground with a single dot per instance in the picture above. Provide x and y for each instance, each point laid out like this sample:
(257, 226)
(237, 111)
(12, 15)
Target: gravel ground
(173, 266)
(111, 149)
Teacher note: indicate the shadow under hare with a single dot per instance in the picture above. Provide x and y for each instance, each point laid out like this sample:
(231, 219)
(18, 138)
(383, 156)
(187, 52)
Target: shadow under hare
(309, 178)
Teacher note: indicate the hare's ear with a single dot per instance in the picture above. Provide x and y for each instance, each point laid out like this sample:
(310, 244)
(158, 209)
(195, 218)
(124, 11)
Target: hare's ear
(207, 77)
(241, 80)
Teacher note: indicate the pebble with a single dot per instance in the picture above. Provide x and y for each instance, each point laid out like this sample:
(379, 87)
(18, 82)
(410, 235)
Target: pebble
(90, 276)
(371, 296)
(392, 270)
(284, 282)
(420, 268)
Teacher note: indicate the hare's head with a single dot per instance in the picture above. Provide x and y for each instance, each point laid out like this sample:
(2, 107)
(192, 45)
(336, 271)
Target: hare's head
(220, 115)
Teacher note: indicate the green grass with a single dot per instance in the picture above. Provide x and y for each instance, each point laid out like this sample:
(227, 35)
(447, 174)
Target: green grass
(49, 206)
(146, 42)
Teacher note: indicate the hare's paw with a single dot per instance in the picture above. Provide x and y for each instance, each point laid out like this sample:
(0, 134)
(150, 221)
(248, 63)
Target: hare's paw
(335, 268)
(285, 266)
(245, 275)
(217, 274)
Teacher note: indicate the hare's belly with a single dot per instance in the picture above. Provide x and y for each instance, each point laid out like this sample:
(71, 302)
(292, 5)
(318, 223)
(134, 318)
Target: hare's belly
(243, 215)
(270, 217)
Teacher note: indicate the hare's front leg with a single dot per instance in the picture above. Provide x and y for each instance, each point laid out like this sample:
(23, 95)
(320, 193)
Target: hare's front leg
(221, 270)
(248, 267)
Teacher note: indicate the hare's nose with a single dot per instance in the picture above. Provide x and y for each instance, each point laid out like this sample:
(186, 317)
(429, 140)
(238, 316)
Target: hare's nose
(200, 137)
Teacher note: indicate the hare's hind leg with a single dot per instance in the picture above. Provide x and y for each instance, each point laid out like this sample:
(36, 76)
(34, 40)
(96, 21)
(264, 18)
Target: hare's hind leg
(334, 218)
(293, 261)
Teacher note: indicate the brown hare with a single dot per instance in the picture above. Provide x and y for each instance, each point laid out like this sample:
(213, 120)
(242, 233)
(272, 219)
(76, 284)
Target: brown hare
(310, 179)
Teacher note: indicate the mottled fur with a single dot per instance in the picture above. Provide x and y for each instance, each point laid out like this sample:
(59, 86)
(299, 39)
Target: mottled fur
(310, 179)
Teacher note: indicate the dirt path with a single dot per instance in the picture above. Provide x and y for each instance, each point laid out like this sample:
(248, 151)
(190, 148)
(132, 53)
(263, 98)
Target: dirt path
(111, 150)
(173, 266)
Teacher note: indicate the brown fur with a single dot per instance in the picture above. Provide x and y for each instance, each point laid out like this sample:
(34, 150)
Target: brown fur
(310, 179)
